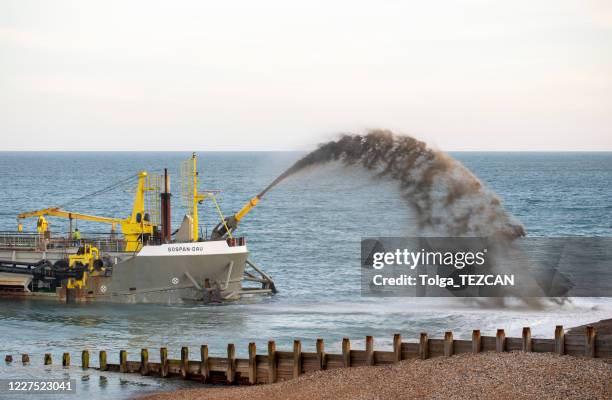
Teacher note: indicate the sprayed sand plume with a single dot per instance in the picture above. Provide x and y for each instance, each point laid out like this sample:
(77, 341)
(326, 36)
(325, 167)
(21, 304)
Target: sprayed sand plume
(449, 200)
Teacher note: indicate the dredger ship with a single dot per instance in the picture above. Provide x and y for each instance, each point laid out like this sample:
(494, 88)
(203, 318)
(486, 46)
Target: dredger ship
(142, 262)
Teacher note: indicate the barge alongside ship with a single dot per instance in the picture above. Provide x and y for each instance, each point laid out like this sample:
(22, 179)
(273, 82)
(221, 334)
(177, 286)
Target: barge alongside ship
(144, 263)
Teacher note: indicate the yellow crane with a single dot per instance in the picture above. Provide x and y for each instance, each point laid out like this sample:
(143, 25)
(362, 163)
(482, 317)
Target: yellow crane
(133, 227)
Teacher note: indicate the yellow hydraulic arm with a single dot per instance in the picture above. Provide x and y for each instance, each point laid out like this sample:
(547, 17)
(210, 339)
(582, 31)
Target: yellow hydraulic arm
(229, 225)
(246, 208)
(56, 212)
(132, 227)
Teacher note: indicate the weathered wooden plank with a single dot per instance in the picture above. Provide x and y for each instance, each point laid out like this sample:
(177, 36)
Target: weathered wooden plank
(384, 357)
(409, 350)
(112, 367)
(144, 362)
(559, 340)
(252, 363)
(543, 345)
(242, 367)
(132, 366)
(217, 364)
(397, 347)
(476, 341)
(184, 362)
(262, 368)
(500, 341)
(321, 358)
(514, 344)
(573, 339)
(436, 347)
(297, 358)
(335, 361)
(272, 374)
(284, 367)
(575, 350)
(163, 357)
(48, 360)
(154, 368)
(346, 352)
(488, 343)
(603, 346)
(204, 365)
(462, 346)
(369, 350)
(193, 370)
(102, 360)
(284, 355)
(123, 361)
(589, 341)
(358, 358)
(84, 359)
(230, 374)
(310, 361)
(66, 360)
(423, 346)
(526, 340)
(448, 344)
(174, 367)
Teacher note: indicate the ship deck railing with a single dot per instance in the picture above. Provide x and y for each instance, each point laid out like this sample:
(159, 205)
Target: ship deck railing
(38, 241)
(21, 240)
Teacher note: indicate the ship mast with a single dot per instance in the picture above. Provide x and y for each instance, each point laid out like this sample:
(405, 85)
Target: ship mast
(194, 170)
(191, 195)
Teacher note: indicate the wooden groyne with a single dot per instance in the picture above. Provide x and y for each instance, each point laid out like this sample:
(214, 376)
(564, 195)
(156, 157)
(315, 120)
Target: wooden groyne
(274, 366)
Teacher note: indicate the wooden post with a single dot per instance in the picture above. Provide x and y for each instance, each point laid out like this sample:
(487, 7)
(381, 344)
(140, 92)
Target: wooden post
(144, 361)
(500, 341)
(476, 344)
(346, 352)
(527, 347)
(448, 344)
(204, 366)
(163, 362)
(397, 348)
(85, 359)
(423, 346)
(8, 358)
(369, 348)
(230, 374)
(48, 360)
(252, 363)
(321, 353)
(25, 359)
(66, 360)
(123, 361)
(102, 359)
(559, 340)
(297, 358)
(589, 341)
(184, 362)
(271, 361)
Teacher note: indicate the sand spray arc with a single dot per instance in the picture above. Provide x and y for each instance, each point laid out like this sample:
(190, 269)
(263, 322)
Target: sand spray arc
(448, 199)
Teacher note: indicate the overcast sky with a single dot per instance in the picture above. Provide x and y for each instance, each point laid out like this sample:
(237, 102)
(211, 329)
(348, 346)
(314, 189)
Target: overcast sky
(276, 75)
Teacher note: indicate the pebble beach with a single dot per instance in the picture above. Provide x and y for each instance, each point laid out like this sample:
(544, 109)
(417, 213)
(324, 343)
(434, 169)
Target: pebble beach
(490, 375)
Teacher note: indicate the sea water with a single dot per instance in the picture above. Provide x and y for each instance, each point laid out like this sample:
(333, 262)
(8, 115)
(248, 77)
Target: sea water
(305, 234)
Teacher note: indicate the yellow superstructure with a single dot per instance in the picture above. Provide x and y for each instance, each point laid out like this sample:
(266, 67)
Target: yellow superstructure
(197, 198)
(87, 256)
(133, 228)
